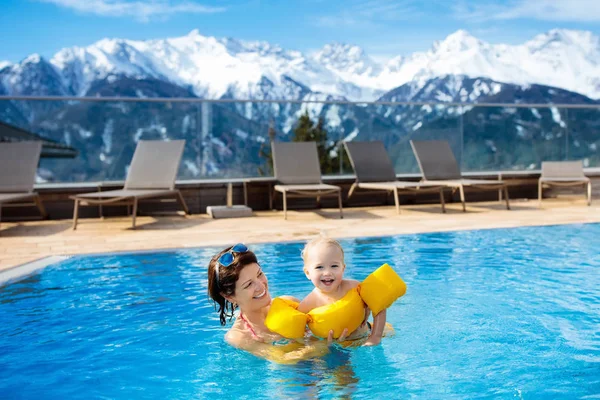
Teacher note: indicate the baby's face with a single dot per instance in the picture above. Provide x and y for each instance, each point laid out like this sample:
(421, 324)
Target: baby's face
(324, 266)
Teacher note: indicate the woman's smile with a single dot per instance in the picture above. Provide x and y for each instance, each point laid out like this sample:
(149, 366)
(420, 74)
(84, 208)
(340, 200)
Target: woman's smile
(261, 294)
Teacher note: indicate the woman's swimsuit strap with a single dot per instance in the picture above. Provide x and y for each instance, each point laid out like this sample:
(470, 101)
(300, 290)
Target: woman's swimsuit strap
(254, 335)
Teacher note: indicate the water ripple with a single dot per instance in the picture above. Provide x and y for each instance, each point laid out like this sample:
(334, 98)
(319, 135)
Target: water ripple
(494, 313)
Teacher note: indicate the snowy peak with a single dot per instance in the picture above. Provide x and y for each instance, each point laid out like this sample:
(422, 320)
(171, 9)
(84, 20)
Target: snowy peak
(216, 67)
(33, 76)
(347, 59)
(584, 41)
(458, 41)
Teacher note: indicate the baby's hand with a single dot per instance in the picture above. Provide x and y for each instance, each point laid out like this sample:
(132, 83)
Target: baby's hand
(340, 339)
(372, 341)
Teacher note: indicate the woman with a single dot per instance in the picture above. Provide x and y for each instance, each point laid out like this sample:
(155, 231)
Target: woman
(236, 280)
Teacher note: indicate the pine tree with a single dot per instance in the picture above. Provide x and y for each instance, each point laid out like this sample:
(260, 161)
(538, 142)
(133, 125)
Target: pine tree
(265, 151)
(306, 131)
(303, 131)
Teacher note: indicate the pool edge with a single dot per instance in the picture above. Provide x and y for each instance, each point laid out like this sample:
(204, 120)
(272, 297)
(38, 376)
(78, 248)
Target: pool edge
(22, 271)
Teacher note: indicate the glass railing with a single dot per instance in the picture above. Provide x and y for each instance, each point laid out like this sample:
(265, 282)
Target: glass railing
(231, 139)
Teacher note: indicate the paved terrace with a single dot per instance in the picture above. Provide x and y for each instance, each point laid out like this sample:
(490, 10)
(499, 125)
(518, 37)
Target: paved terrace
(23, 242)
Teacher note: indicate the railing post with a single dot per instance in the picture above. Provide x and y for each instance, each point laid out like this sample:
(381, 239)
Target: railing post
(566, 134)
(462, 137)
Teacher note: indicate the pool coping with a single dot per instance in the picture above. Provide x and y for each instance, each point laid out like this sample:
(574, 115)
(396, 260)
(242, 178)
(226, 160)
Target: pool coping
(22, 271)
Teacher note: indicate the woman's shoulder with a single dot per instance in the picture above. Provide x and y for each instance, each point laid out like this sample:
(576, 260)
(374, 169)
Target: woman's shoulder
(236, 336)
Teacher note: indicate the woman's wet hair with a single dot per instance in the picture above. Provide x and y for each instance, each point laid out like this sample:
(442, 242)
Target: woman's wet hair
(224, 284)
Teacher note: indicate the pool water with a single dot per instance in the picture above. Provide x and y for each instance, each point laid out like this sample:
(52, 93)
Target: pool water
(505, 313)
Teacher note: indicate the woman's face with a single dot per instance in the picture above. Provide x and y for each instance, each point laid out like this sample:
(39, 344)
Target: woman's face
(252, 288)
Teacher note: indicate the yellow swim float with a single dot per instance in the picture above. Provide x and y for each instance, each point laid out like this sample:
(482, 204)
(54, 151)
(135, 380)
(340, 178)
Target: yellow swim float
(378, 291)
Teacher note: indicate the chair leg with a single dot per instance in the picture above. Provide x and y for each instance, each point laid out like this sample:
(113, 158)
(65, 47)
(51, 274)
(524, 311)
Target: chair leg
(506, 197)
(442, 201)
(134, 213)
(397, 200)
(589, 193)
(340, 204)
(40, 206)
(462, 197)
(272, 197)
(75, 214)
(182, 202)
(539, 194)
(284, 205)
(351, 191)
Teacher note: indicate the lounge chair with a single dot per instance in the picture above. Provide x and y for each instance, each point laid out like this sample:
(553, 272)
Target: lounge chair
(375, 171)
(438, 165)
(564, 173)
(151, 175)
(18, 165)
(298, 173)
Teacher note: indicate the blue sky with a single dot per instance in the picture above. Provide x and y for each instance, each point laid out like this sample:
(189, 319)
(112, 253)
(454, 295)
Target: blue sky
(384, 28)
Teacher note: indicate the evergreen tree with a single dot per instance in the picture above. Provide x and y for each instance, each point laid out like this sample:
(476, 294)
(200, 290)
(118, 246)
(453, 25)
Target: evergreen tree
(265, 151)
(307, 131)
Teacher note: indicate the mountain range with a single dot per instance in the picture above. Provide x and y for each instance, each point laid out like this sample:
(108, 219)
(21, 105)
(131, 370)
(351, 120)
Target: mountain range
(560, 66)
(213, 68)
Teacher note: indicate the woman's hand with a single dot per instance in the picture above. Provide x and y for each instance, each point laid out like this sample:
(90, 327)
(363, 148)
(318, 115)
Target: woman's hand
(340, 339)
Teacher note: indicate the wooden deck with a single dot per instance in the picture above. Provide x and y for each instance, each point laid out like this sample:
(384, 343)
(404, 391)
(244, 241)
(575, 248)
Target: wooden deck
(24, 242)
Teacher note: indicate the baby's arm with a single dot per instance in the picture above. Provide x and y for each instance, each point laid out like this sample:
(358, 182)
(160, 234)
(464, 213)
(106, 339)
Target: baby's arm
(308, 303)
(377, 329)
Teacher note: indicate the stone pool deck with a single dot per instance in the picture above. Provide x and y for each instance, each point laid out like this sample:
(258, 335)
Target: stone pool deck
(23, 242)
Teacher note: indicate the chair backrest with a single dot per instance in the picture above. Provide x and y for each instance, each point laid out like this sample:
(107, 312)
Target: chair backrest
(18, 165)
(296, 163)
(436, 159)
(154, 164)
(370, 161)
(562, 169)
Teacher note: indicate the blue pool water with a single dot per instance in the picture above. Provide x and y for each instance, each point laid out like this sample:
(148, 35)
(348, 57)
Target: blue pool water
(497, 313)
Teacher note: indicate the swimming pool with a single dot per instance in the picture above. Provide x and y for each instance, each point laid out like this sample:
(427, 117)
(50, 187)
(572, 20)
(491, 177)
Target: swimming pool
(493, 313)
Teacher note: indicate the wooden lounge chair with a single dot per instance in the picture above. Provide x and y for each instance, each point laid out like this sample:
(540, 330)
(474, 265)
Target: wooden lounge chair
(438, 165)
(298, 173)
(564, 174)
(374, 171)
(18, 166)
(151, 174)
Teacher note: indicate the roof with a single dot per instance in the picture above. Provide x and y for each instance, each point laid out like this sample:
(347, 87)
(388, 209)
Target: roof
(50, 148)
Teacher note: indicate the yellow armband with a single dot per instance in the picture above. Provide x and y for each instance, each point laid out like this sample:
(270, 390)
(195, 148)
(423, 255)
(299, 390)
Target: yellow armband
(347, 312)
(382, 288)
(378, 291)
(284, 318)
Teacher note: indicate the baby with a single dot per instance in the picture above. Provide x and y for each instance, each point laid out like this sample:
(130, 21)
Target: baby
(324, 266)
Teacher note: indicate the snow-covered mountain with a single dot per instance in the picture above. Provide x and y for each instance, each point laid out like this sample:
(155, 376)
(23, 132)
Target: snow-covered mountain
(215, 68)
(561, 58)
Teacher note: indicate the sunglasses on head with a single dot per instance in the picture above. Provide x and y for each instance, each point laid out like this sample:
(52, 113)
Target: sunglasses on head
(226, 259)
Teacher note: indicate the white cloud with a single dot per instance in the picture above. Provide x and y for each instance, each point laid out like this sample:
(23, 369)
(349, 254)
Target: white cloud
(140, 10)
(545, 10)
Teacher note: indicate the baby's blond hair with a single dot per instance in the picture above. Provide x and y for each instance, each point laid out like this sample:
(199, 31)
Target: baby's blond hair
(311, 244)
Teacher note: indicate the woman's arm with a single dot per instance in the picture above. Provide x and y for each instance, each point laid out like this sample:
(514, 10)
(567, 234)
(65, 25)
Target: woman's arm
(290, 353)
